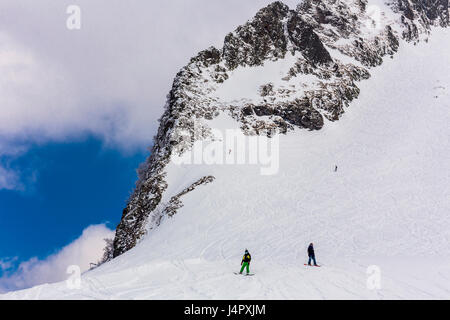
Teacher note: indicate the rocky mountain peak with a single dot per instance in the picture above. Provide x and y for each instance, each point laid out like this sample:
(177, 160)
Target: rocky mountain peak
(322, 49)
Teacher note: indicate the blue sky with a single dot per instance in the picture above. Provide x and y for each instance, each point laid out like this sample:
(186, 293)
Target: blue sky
(68, 186)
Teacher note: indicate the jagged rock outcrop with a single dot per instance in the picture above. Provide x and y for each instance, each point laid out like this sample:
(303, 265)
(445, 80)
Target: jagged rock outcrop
(260, 39)
(170, 209)
(419, 15)
(330, 52)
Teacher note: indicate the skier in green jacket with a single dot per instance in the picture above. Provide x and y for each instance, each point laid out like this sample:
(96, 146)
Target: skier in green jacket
(245, 263)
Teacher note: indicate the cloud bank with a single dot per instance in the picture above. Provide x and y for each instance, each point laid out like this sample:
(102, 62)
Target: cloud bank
(88, 248)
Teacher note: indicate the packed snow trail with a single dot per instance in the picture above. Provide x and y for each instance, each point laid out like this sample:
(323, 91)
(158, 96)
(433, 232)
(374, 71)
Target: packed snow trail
(386, 206)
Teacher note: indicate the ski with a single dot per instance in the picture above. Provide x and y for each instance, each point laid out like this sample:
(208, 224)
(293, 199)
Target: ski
(244, 274)
(311, 265)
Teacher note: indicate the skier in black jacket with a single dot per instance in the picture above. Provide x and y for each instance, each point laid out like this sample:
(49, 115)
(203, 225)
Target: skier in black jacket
(311, 254)
(245, 263)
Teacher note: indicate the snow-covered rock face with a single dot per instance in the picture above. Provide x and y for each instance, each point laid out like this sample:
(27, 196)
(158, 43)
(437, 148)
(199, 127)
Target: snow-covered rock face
(282, 70)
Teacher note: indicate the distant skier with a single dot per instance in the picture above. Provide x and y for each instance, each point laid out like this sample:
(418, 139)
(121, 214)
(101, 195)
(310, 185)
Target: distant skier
(245, 263)
(335, 168)
(311, 255)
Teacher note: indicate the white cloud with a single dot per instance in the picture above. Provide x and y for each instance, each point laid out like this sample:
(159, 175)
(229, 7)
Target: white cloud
(7, 263)
(81, 252)
(9, 180)
(111, 77)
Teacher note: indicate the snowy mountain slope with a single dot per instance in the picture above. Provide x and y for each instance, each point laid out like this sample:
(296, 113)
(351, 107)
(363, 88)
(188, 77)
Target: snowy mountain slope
(387, 204)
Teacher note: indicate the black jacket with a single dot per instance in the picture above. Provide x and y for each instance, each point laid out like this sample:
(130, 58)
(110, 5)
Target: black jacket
(311, 251)
(247, 258)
